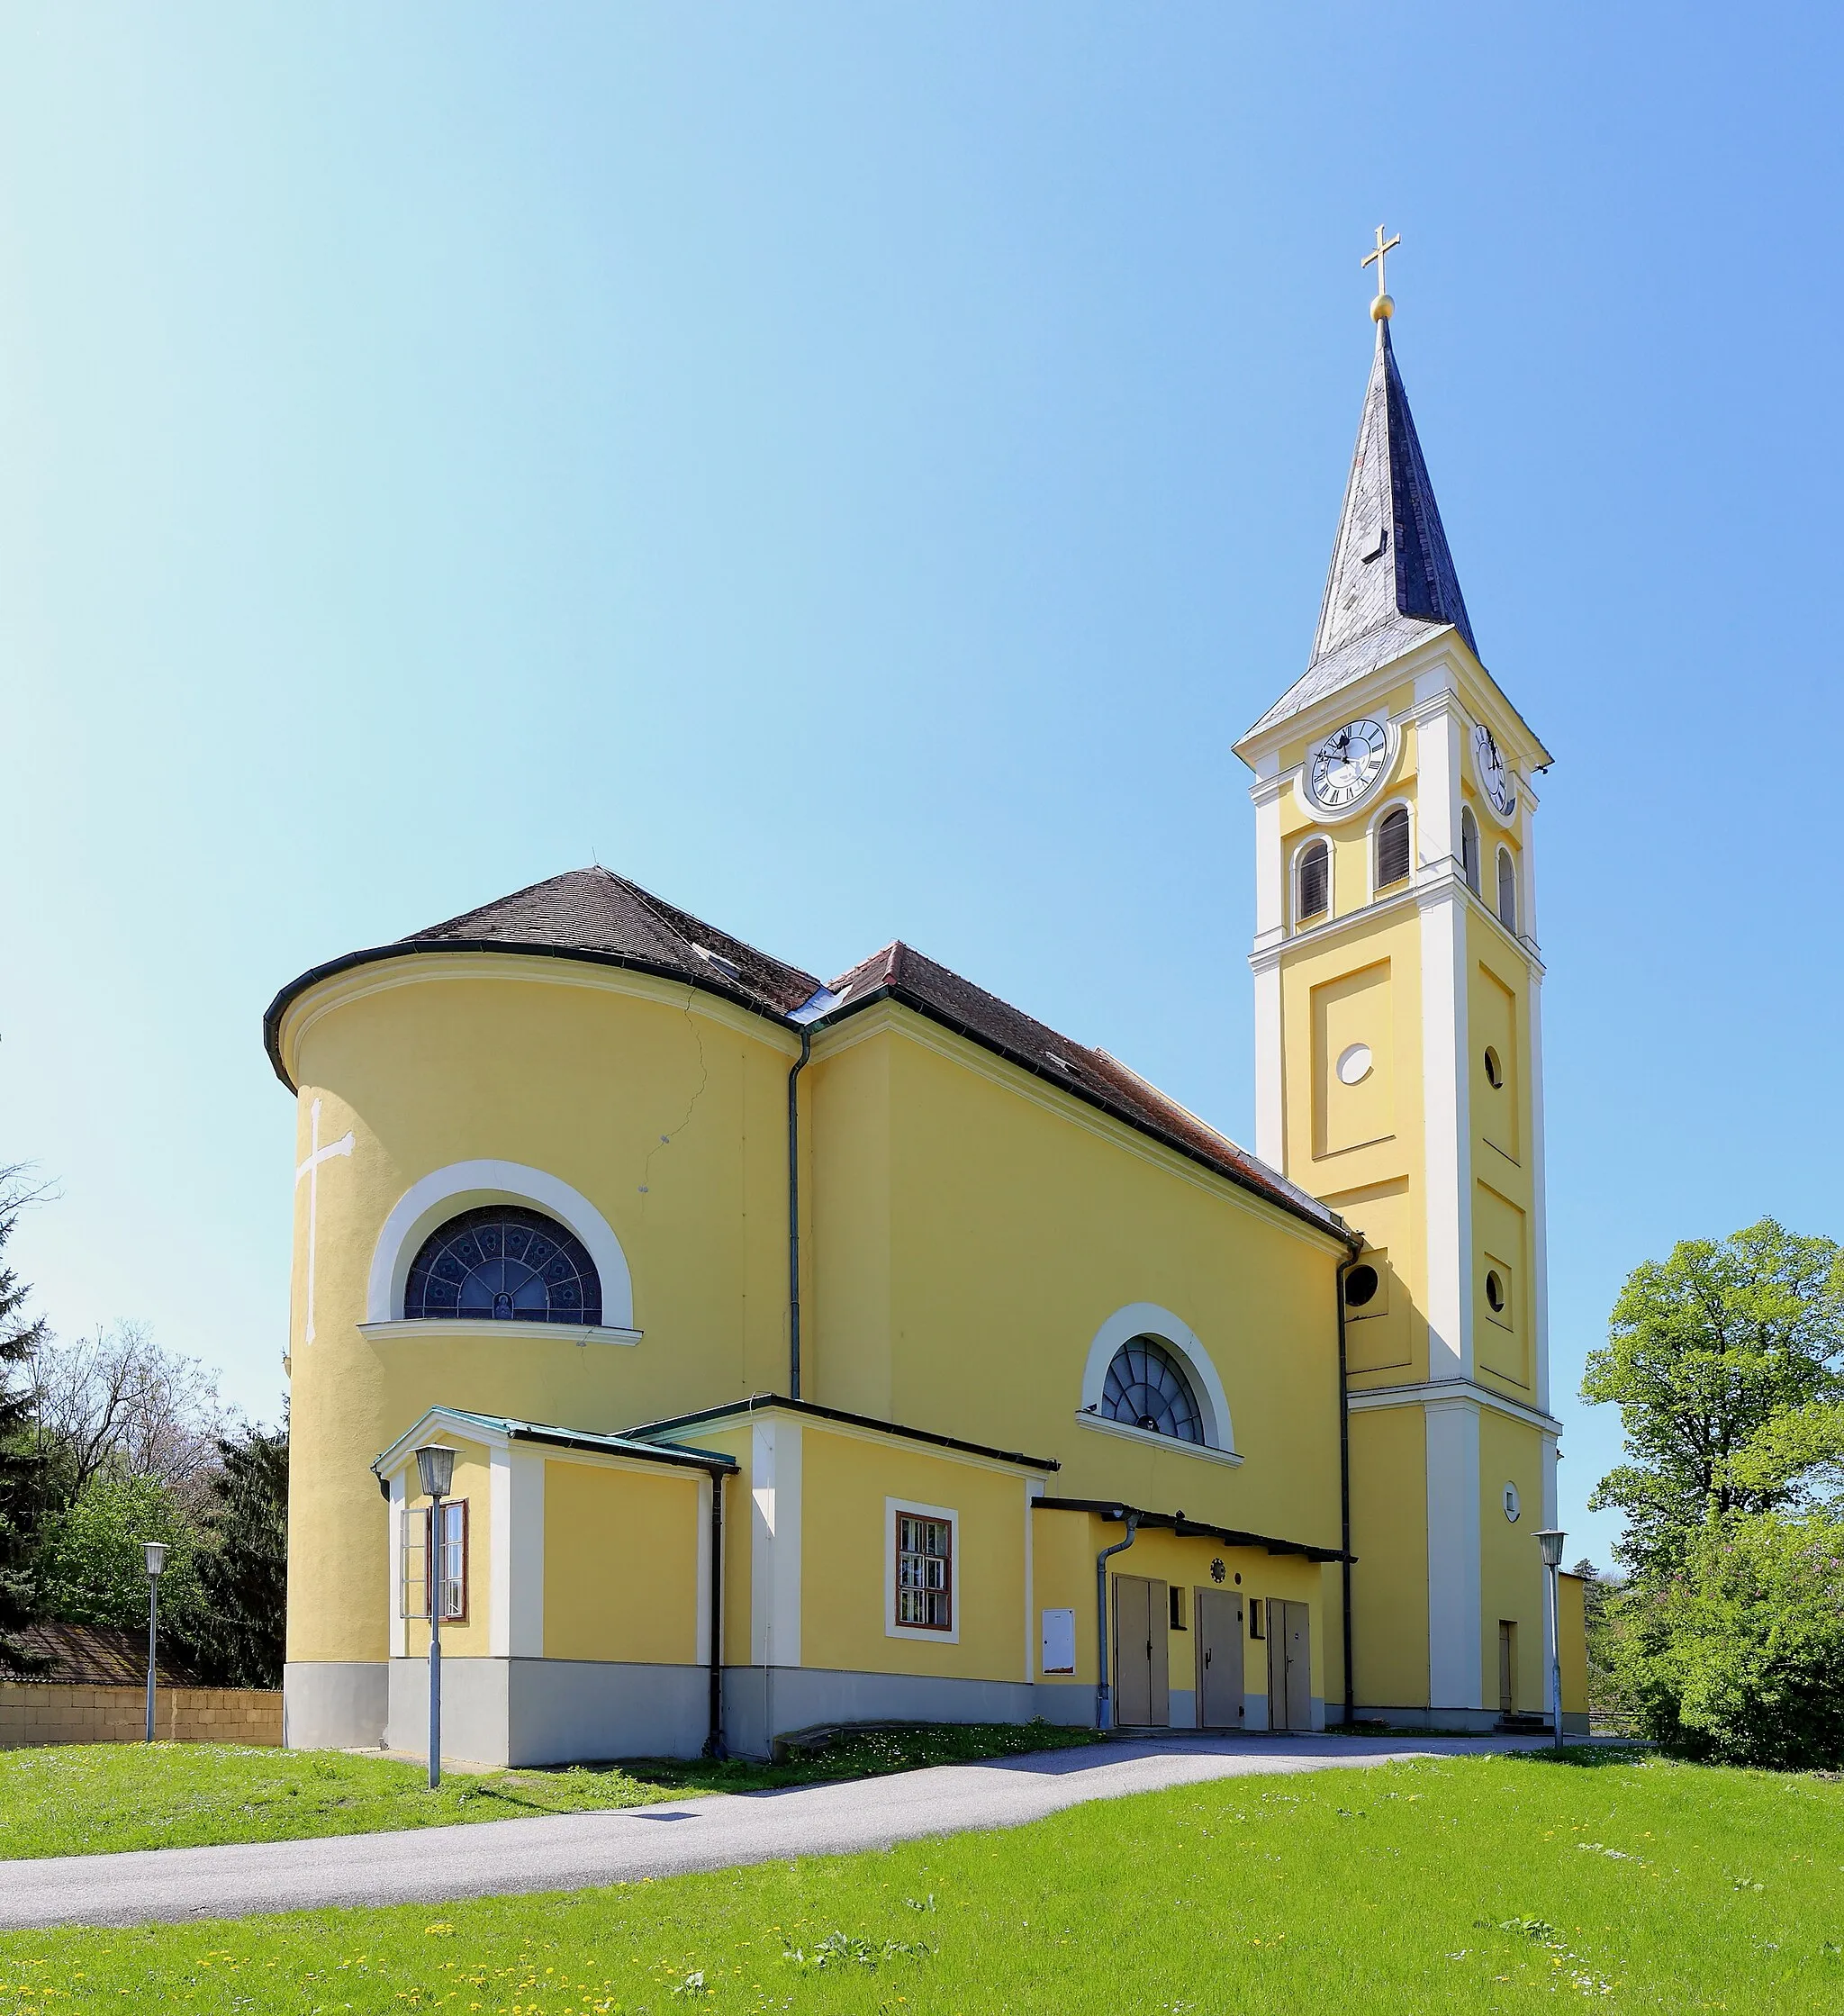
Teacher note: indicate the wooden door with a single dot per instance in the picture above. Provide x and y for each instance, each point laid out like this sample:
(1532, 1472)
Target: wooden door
(1507, 1667)
(1141, 1687)
(1217, 1615)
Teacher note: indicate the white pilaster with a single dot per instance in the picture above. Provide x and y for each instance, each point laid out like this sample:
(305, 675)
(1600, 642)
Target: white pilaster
(1271, 1076)
(1456, 1654)
(400, 1637)
(774, 1543)
(1540, 1208)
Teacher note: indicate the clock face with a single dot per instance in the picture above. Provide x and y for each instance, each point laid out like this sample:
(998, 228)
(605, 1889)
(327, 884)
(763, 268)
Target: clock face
(1495, 779)
(1346, 763)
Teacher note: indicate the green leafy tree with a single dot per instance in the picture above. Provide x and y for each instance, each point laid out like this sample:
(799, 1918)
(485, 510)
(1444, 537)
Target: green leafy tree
(21, 1337)
(1706, 1351)
(92, 1569)
(238, 1636)
(1739, 1657)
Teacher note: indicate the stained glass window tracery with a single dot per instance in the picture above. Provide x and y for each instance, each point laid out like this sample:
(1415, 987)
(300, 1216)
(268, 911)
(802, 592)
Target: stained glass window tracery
(506, 1263)
(1146, 1388)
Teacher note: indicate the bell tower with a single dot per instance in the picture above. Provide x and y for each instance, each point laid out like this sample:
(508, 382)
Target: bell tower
(1399, 1078)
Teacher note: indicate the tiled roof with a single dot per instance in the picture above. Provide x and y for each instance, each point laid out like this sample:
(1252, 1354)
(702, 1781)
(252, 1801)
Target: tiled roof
(96, 1656)
(594, 914)
(1392, 581)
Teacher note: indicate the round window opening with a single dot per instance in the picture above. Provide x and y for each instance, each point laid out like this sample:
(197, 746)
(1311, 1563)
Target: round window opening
(1361, 1285)
(1354, 1064)
(1495, 1290)
(507, 1263)
(1146, 1388)
(1495, 1071)
(1514, 1505)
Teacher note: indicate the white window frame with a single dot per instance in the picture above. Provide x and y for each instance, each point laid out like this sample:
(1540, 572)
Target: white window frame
(410, 1516)
(1318, 918)
(923, 1633)
(1373, 838)
(1148, 1319)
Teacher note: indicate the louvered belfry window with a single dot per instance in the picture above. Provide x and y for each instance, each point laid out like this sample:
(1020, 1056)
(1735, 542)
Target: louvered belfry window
(1392, 847)
(1470, 848)
(1315, 881)
(1507, 890)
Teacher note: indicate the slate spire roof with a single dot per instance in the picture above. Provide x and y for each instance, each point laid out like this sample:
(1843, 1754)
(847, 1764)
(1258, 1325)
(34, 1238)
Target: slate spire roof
(1392, 580)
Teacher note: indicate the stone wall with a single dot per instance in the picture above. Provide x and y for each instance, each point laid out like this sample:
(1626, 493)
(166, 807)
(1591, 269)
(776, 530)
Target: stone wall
(33, 1712)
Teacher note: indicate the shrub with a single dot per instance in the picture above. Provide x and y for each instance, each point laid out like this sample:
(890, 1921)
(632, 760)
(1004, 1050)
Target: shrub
(1739, 1658)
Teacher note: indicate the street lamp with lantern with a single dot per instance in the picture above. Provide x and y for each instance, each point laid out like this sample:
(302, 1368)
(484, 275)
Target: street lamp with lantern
(155, 1554)
(1550, 1541)
(434, 1466)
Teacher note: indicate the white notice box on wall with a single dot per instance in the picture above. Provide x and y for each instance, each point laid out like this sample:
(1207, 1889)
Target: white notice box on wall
(1059, 1642)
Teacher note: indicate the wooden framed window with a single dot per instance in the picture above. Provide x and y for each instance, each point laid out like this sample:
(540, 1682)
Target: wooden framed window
(1470, 848)
(418, 1573)
(1314, 871)
(922, 1542)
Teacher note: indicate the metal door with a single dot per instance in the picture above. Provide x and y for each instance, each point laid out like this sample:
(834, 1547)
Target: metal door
(1142, 1694)
(1289, 1665)
(1218, 1617)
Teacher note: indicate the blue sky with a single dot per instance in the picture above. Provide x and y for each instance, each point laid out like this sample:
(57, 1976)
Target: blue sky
(856, 469)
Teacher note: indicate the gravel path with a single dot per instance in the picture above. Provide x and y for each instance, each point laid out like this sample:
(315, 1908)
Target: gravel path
(569, 1851)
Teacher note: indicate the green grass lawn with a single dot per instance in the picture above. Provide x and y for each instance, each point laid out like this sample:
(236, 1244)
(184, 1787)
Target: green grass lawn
(97, 1798)
(1467, 1884)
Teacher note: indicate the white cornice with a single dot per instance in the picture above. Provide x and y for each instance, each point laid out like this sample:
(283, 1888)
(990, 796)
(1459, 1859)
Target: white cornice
(1170, 1444)
(435, 1330)
(1367, 1399)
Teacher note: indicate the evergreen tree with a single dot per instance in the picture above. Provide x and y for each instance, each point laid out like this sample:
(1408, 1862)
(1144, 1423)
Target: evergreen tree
(239, 1636)
(19, 1338)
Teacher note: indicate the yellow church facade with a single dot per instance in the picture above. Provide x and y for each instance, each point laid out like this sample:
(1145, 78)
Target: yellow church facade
(859, 1351)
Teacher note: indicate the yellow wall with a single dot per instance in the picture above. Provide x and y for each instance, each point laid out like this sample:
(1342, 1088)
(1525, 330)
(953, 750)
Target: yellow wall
(471, 1482)
(620, 1563)
(1511, 1563)
(1572, 1642)
(1389, 1583)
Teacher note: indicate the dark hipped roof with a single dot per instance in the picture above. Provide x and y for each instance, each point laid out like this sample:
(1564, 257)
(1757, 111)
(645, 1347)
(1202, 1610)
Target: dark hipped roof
(1392, 581)
(594, 915)
(95, 1656)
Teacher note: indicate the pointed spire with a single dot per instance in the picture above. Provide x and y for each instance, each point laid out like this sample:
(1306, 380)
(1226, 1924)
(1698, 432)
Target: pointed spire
(1390, 559)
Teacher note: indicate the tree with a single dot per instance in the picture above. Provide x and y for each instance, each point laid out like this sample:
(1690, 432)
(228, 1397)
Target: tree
(1739, 1657)
(239, 1637)
(1703, 1352)
(117, 1399)
(20, 1338)
(91, 1566)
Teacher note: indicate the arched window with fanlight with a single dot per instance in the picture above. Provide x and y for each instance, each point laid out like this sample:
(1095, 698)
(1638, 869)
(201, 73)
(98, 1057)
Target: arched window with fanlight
(1507, 890)
(1146, 1388)
(507, 1263)
(1313, 882)
(1392, 847)
(1470, 848)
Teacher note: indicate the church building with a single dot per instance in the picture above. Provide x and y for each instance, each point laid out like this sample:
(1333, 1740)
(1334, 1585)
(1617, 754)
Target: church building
(828, 1350)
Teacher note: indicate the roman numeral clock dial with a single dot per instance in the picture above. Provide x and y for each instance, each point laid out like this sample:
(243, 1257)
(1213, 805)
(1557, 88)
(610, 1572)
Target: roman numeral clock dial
(1494, 775)
(1346, 764)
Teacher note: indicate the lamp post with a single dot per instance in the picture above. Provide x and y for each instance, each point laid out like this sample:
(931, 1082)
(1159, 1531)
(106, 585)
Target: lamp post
(155, 1551)
(434, 1466)
(1550, 1541)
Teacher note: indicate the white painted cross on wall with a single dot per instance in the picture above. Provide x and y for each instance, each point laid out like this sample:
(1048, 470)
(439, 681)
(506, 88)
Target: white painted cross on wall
(311, 1168)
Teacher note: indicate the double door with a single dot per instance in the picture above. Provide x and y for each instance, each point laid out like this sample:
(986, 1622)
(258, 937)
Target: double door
(1143, 1690)
(1289, 1665)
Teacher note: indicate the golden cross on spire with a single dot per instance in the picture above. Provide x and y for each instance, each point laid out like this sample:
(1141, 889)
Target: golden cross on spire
(1382, 308)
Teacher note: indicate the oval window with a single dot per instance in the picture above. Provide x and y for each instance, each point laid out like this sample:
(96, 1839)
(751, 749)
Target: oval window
(1495, 1071)
(1361, 1285)
(1354, 1064)
(1495, 1290)
(1514, 1505)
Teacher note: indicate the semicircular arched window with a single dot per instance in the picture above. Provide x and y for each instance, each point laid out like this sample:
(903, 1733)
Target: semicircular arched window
(1146, 1388)
(507, 1262)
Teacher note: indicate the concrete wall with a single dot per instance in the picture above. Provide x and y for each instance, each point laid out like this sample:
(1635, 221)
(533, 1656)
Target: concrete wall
(33, 1712)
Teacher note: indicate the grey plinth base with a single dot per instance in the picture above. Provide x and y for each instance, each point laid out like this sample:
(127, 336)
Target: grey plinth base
(334, 1705)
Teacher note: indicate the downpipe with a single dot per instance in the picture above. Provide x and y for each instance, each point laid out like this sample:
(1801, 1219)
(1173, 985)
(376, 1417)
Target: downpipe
(1103, 1694)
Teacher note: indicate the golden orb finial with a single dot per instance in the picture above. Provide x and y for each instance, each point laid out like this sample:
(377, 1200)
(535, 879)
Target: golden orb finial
(1382, 308)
